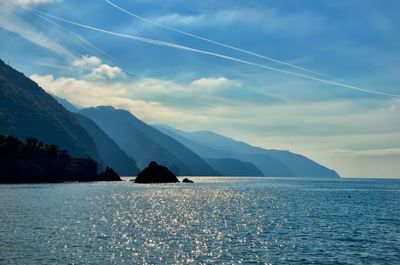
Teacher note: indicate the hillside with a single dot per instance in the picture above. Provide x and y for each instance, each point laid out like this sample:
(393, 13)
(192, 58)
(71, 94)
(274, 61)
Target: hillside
(270, 162)
(109, 151)
(234, 167)
(26, 110)
(145, 143)
(33, 161)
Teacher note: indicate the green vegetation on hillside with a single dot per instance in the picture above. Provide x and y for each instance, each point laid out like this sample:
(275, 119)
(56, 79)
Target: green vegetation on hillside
(35, 162)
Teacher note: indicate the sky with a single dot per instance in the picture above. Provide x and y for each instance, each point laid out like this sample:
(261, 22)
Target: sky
(319, 78)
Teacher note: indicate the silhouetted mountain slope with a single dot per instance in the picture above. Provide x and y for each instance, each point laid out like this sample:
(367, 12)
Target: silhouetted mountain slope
(66, 104)
(109, 151)
(27, 110)
(270, 162)
(233, 167)
(301, 165)
(35, 162)
(202, 150)
(145, 143)
(268, 165)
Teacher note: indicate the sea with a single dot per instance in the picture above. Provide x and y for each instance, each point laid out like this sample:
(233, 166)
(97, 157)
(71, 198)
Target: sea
(212, 221)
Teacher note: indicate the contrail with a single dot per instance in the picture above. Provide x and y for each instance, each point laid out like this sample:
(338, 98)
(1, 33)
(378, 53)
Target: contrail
(181, 47)
(211, 41)
(79, 37)
(36, 12)
(53, 65)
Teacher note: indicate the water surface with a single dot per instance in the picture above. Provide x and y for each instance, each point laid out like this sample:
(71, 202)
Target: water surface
(215, 220)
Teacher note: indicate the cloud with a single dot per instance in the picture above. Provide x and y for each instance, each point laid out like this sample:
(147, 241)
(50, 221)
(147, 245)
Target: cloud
(98, 70)
(11, 21)
(156, 87)
(151, 99)
(90, 94)
(87, 61)
(368, 152)
(179, 19)
(33, 35)
(268, 19)
(242, 106)
(106, 71)
(214, 83)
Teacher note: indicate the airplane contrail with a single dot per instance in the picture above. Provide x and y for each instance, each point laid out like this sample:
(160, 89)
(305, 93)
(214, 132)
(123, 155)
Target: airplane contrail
(79, 37)
(53, 65)
(84, 41)
(181, 47)
(212, 41)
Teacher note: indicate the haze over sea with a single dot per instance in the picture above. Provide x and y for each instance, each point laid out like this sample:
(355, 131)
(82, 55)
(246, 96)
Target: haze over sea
(215, 220)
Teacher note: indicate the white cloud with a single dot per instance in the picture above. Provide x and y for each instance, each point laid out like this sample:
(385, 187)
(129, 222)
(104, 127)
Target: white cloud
(87, 93)
(269, 19)
(106, 71)
(179, 19)
(156, 87)
(368, 152)
(33, 35)
(87, 61)
(11, 22)
(213, 83)
(98, 70)
(151, 99)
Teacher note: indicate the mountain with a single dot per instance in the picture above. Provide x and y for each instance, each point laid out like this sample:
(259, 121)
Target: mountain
(145, 143)
(26, 110)
(270, 162)
(265, 163)
(66, 104)
(234, 167)
(109, 151)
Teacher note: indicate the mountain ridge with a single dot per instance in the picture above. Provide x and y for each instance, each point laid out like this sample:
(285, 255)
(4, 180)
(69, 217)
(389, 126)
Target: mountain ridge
(290, 164)
(109, 151)
(145, 143)
(234, 167)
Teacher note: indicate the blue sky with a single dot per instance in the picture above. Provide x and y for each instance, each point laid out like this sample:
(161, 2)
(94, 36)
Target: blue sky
(351, 42)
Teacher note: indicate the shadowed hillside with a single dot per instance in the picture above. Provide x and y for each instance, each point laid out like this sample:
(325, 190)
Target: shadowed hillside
(145, 143)
(234, 167)
(26, 110)
(109, 151)
(34, 162)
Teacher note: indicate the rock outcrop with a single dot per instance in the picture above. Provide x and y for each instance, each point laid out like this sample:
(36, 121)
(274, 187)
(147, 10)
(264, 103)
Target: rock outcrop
(108, 175)
(186, 180)
(155, 173)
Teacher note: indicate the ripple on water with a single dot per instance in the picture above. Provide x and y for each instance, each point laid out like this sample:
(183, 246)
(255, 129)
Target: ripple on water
(226, 221)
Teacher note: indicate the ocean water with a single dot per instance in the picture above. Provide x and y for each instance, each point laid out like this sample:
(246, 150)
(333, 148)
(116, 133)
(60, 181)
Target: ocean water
(213, 221)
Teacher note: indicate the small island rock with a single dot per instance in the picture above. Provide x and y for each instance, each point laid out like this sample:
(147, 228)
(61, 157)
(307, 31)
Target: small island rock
(109, 175)
(186, 180)
(155, 173)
